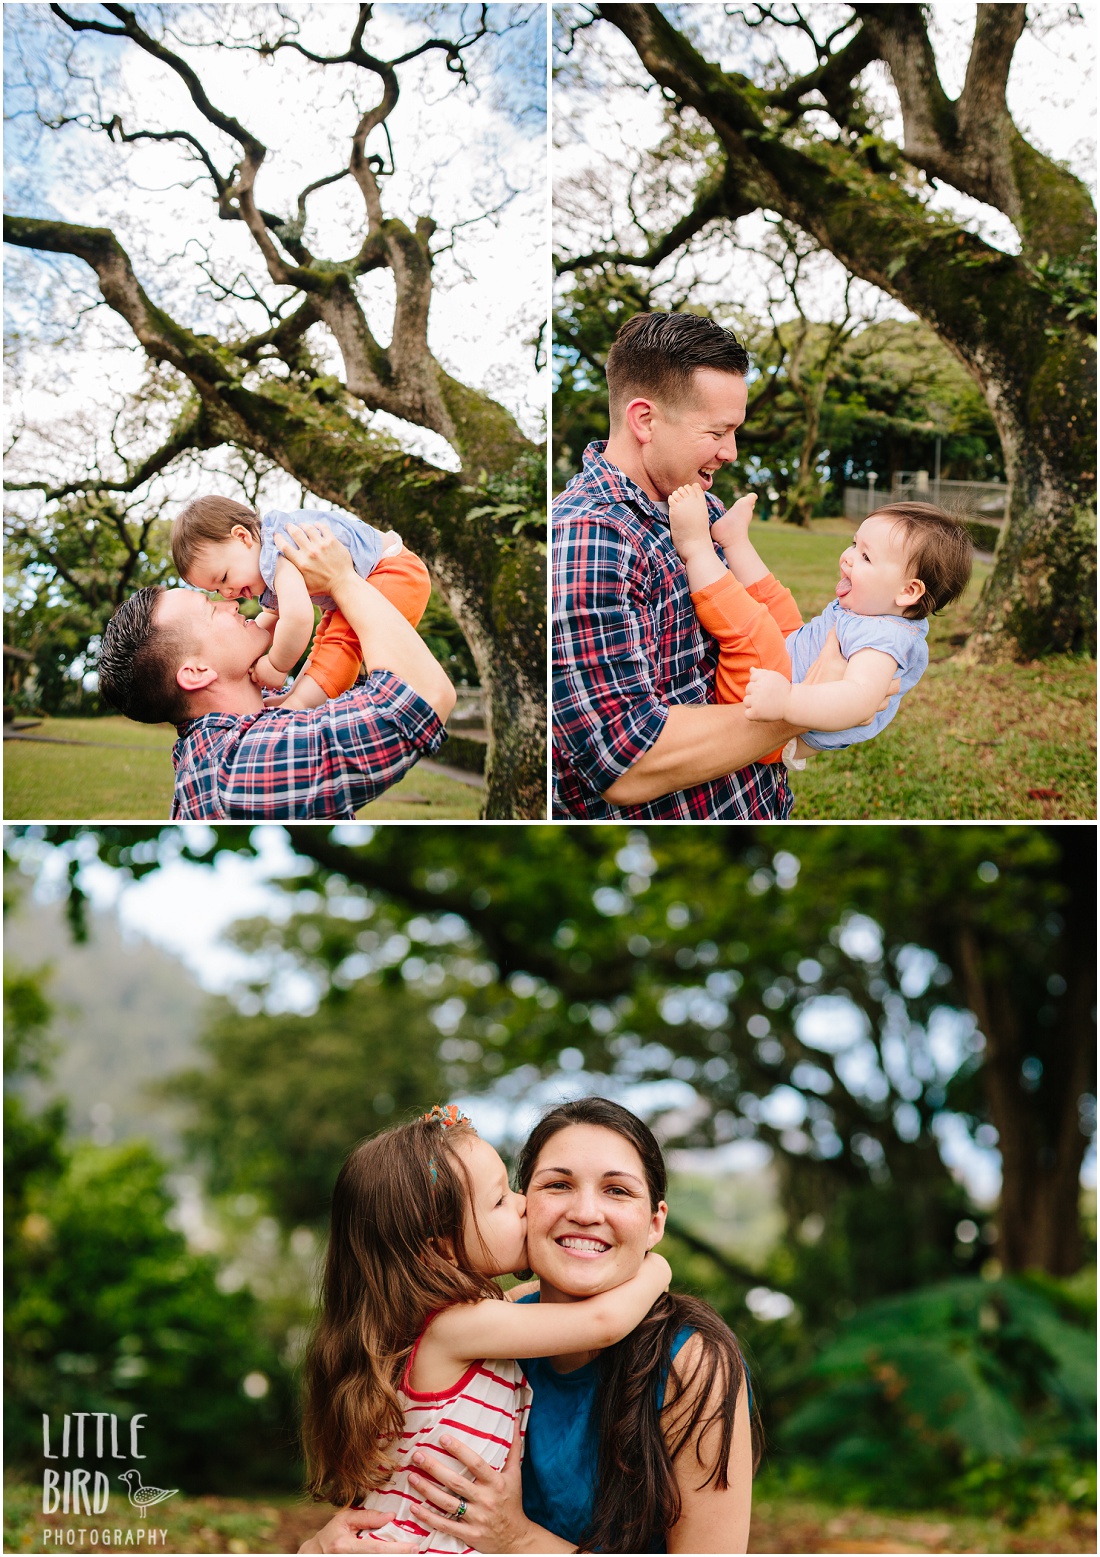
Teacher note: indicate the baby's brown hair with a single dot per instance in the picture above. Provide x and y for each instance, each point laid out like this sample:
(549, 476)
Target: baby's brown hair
(939, 550)
(206, 521)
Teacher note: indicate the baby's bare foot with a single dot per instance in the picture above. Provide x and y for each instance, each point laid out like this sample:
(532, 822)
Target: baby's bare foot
(689, 521)
(734, 523)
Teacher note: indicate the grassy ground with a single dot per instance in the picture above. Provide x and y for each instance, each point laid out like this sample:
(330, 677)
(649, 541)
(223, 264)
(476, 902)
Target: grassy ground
(127, 775)
(1004, 742)
(281, 1524)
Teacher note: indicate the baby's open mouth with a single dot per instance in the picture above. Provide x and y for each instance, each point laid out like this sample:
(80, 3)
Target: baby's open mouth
(844, 586)
(586, 1248)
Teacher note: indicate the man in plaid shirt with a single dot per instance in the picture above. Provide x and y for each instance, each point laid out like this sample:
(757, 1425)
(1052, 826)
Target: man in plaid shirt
(636, 735)
(176, 655)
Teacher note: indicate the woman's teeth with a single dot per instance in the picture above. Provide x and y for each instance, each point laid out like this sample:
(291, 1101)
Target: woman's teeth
(583, 1245)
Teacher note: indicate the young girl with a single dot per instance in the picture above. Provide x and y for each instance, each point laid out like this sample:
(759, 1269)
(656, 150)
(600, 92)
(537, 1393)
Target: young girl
(422, 1219)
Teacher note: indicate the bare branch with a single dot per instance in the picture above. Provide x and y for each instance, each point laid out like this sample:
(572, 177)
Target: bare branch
(715, 199)
(190, 433)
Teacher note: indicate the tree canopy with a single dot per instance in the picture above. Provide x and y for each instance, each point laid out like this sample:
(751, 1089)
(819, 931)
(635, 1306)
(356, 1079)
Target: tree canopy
(868, 1003)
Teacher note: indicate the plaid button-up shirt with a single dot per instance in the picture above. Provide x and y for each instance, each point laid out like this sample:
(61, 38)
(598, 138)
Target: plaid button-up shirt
(320, 764)
(627, 646)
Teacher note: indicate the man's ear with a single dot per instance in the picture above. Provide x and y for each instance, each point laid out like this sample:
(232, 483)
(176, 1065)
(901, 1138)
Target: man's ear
(910, 594)
(657, 1226)
(194, 675)
(639, 419)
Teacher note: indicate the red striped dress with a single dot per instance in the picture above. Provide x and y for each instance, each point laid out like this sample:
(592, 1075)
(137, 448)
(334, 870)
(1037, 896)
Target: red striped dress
(481, 1408)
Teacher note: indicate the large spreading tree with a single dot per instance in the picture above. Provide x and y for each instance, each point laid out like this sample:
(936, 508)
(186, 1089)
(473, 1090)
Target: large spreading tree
(277, 351)
(810, 145)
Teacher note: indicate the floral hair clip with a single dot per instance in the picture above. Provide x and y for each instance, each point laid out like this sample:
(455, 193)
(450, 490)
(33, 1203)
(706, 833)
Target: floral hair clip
(445, 1116)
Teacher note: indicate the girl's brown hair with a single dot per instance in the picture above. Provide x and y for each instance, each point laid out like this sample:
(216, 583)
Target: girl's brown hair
(637, 1497)
(396, 1254)
(207, 521)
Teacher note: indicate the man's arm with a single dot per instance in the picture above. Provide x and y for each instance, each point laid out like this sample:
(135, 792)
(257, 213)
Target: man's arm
(385, 637)
(695, 746)
(698, 743)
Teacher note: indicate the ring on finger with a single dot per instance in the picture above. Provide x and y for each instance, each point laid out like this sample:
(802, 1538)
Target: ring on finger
(461, 1509)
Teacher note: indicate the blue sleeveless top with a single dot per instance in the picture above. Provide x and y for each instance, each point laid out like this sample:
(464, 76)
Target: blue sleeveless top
(561, 1450)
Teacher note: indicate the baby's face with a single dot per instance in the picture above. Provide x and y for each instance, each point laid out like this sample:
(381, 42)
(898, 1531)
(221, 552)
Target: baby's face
(229, 568)
(874, 574)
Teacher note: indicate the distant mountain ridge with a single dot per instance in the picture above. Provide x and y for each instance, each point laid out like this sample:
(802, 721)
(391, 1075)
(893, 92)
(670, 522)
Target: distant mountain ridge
(126, 1014)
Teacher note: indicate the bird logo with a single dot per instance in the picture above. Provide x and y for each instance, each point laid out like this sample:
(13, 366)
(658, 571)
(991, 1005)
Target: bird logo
(144, 1497)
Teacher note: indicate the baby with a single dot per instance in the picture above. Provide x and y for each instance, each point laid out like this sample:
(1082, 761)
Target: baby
(906, 561)
(223, 547)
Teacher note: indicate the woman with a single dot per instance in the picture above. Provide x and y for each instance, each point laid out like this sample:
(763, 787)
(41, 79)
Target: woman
(646, 1447)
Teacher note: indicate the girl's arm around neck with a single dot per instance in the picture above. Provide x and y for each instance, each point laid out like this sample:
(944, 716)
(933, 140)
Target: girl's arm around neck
(470, 1331)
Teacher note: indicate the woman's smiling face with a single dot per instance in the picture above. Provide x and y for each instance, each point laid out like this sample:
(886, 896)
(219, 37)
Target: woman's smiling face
(589, 1217)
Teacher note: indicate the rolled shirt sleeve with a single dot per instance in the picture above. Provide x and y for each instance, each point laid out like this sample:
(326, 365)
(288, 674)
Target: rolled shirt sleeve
(318, 764)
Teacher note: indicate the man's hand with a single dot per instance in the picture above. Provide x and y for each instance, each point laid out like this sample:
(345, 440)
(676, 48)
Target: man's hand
(767, 695)
(322, 560)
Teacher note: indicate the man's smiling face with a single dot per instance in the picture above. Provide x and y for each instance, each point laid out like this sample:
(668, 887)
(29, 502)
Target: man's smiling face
(692, 440)
(218, 635)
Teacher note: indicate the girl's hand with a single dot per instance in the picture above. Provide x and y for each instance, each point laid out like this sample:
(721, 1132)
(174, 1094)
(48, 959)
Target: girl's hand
(493, 1520)
(767, 695)
(350, 1531)
(264, 674)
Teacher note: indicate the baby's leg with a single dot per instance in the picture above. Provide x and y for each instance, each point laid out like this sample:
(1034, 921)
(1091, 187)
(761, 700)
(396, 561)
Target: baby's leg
(747, 637)
(689, 523)
(405, 582)
(336, 657)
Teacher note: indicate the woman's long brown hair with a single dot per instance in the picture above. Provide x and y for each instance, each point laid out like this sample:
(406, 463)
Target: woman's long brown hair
(398, 1211)
(637, 1496)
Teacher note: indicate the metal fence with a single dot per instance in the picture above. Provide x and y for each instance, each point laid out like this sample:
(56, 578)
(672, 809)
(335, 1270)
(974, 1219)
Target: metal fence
(984, 500)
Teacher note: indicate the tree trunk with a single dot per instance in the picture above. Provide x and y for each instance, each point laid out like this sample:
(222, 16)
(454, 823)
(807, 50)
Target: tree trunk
(1041, 595)
(1037, 1071)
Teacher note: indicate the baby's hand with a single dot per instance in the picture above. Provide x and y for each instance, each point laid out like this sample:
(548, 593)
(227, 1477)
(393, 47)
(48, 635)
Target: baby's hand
(767, 695)
(264, 674)
(734, 523)
(689, 521)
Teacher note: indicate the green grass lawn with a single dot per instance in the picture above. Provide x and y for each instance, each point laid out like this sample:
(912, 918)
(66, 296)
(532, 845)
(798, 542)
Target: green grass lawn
(281, 1524)
(969, 742)
(127, 775)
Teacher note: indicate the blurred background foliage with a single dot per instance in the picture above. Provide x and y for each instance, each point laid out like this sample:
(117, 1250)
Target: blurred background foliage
(864, 1007)
(874, 400)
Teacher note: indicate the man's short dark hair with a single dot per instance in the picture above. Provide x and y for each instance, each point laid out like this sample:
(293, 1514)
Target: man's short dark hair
(138, 661)
(655, 356)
